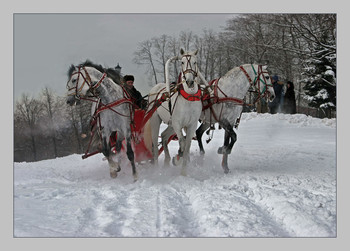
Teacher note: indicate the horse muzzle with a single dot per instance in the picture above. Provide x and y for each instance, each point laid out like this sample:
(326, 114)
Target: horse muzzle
(271, 96)
(73, 100)
(189, 77)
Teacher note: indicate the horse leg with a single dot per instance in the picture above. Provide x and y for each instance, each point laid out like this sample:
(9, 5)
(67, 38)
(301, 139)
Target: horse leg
(199, 133)
(131, 157)
(224, 163)
(166, 134)
(179, 157)
(114, 167)
(229, 141)
(188, 140)
(155, 125)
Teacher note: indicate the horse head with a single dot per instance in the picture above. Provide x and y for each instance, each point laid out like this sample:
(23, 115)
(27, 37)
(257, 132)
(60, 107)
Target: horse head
(83, 79)
(266, 88)
(78, 84)
(189, 68)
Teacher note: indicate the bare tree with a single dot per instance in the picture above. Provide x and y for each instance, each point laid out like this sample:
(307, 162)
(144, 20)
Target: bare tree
(144, 56)
(186, 40)
(174, 49)
(162, 51)
(49, 104)
(28, 111)
(207, 45)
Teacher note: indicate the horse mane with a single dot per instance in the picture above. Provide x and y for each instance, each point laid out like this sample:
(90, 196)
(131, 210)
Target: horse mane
(111, 72)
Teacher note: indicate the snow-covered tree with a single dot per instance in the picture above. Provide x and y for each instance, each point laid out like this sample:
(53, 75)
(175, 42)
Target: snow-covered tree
(320, 72)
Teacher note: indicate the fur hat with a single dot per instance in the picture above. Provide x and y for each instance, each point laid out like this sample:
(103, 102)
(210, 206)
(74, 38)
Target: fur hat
(275, 78)
(128, 78)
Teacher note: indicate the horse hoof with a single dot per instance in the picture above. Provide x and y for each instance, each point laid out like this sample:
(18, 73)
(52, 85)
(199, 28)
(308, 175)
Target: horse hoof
(166, 164)
(223, 150)
(113, 174)
(177, 160)
(220, 151)
(136, 177)
(226, 170)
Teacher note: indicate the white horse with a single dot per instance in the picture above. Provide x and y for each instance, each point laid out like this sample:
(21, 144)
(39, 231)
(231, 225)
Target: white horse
(183, 110)
(225, 103)
(109, 108)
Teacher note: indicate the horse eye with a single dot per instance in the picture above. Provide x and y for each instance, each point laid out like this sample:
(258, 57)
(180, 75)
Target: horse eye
(74, 80)
(267, 77)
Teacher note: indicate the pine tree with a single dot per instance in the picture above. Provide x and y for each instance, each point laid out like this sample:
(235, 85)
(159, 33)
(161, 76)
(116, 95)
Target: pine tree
(320, 89)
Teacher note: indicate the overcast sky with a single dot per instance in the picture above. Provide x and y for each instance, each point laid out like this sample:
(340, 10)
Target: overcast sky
(45, 45)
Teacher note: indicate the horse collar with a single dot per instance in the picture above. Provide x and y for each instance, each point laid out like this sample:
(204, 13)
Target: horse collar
(190, 97)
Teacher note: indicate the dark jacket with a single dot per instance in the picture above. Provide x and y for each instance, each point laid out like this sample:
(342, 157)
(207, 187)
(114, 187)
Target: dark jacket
(137, 97)
(289, 104)
(275, 104)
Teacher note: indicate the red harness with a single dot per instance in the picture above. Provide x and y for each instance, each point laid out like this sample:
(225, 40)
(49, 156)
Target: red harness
(215, 98)
(190, 97)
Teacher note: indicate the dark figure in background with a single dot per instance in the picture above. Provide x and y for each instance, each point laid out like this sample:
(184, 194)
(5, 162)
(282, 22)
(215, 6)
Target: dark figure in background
(278, 88)
(128, 83)
(289, 104)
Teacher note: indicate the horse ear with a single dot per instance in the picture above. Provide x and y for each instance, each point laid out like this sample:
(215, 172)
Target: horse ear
(182, 51)
(264, 67)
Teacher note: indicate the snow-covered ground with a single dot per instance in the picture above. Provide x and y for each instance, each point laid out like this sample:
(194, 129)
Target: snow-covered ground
(282, 184)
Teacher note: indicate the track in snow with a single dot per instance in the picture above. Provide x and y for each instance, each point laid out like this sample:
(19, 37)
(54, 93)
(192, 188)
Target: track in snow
(282, 184)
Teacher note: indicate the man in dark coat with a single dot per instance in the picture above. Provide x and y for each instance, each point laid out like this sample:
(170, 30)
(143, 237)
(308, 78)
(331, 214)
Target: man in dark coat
(128, 83)
(289, 104)
(278, 88)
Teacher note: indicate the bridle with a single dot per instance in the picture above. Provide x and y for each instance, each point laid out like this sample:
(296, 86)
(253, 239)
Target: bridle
(189, 68)
(259, 78)
(87, 80)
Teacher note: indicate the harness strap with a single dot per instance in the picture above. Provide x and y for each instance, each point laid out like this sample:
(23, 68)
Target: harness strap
(112, 104)
(100, 81)
(87, 76)
(215, 98)
(247, 75)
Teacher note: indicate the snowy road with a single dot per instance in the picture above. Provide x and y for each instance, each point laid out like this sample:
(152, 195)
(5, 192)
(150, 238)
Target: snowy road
(282, 184)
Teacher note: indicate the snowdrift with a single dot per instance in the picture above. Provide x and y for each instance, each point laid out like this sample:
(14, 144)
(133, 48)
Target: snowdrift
(282, 184)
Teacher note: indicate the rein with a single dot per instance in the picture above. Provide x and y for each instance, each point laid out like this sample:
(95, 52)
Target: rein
(110, 106)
